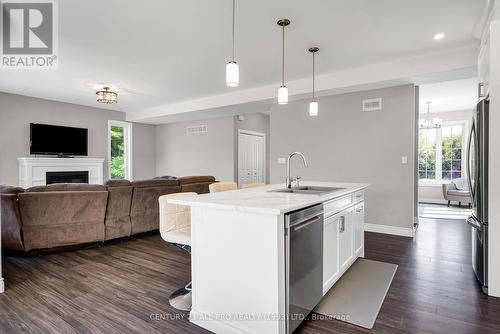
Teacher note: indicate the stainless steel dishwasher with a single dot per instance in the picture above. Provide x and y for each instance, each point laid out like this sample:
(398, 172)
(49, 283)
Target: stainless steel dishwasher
(303, 263)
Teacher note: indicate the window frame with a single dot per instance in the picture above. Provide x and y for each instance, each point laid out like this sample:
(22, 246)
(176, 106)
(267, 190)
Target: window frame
(438, 181)
(127, 138)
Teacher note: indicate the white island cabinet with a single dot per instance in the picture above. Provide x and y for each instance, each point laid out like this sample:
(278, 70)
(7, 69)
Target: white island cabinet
(2, 286)
(238, 259)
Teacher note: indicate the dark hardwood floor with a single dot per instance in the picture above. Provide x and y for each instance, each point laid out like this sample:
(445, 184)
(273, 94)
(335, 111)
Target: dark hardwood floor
(123, 288)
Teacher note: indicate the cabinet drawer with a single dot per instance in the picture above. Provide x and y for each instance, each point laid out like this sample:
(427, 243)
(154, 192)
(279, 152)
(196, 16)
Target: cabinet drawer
(334, 206)
(359, 196)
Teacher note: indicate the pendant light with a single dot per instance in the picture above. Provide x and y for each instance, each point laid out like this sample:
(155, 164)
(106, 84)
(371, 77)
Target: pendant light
(283, 91)
(232, 68)
(313, 105)
(427, 123)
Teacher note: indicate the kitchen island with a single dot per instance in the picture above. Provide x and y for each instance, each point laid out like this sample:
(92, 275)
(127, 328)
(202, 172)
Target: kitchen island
(242, 254)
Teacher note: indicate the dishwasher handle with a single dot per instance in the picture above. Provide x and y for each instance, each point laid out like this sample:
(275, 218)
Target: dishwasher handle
(306, 223)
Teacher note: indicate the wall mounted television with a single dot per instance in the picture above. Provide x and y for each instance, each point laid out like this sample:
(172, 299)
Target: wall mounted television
(57, 140)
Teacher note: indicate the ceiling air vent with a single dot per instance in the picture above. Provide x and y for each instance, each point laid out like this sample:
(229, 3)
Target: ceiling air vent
(196, 129)
(372, 104)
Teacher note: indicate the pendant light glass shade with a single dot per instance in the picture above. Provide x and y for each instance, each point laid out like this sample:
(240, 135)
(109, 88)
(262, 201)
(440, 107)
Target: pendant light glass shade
(232, 74)
(283, 95)
(313, 108)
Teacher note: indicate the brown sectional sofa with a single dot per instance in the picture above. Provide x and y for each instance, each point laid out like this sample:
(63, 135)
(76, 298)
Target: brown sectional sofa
(58, 215)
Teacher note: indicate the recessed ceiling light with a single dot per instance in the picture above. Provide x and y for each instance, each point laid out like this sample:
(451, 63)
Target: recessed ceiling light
(439, 36)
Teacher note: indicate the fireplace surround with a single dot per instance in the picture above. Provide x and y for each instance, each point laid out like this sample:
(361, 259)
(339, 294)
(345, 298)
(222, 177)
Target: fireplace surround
(33, 170)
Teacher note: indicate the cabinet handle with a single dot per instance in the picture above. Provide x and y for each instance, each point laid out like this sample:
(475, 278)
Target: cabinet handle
(359, 209)
(342, 224)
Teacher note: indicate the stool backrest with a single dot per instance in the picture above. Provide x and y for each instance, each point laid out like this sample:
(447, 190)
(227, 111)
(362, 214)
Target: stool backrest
(222, 186)
(173, 216)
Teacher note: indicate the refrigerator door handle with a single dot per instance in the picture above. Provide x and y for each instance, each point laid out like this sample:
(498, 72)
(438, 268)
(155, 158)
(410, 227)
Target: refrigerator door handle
(474, 223)
(469, 160)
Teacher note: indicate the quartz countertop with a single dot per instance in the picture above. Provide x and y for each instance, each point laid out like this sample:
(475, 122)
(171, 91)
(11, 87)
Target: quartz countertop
(262, 200)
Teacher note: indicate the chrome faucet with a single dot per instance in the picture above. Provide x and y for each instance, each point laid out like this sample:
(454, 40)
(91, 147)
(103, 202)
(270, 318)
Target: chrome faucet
(288, 179)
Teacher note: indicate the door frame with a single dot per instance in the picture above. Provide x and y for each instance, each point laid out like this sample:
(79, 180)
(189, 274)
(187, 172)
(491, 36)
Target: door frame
(127, 137)
(252, 133)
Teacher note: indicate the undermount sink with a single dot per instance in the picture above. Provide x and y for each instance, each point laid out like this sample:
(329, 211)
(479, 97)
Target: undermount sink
(313, 190)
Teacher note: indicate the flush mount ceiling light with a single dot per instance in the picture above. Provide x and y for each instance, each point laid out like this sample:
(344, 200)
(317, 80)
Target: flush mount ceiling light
(439, 36)
(232, 68)
(313, 105)
(427, 123)
(283, 91)
(106, 96)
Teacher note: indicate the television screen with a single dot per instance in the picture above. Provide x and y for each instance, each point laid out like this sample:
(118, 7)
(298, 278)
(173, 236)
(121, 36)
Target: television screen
(58, 140)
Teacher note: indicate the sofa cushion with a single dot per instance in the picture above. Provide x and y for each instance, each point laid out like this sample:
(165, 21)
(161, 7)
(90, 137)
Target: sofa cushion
(155, 183)
(117, 183)
(60, 218)
(464, 193)
(196, 179)
(118, 209)
(67, 187)
(461, 184)
(10, 190)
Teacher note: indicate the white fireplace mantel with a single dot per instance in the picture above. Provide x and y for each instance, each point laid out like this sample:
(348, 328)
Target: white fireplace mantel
(33, 171)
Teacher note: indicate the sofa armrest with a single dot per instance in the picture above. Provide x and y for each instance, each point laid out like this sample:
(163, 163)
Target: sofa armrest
(446, 188)
(11, 222)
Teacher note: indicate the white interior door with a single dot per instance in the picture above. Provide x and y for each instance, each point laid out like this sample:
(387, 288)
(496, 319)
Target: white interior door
(251, 157)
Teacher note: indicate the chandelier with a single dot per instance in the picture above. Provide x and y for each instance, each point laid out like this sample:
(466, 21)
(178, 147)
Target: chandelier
(427, 122)
(107, 96)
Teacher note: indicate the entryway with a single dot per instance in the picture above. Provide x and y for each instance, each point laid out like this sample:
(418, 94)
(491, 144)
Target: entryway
(444, 122)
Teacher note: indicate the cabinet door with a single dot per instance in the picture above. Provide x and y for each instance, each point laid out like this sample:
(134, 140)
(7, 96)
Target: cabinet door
(359, 231)
(346, 238)
(330, 251)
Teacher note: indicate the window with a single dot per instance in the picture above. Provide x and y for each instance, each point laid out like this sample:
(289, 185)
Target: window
(119, 150)
(441, 153)
(452, 139)
(427, 154)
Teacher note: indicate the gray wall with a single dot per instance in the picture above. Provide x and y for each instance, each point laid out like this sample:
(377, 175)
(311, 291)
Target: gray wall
(347, 145)
(257, 122)
(210, 153)
(17, 112)
(143, 151)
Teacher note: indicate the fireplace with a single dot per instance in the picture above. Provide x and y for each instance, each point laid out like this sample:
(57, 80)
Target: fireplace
(67, 177)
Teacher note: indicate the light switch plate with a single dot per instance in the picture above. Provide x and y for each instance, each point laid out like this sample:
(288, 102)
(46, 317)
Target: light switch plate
(404, 160)
(281, 161)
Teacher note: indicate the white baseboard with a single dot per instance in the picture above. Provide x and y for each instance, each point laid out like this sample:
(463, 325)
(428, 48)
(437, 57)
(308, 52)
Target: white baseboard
(432, 201)
(2, 287)
(387, 229)
(206, 321)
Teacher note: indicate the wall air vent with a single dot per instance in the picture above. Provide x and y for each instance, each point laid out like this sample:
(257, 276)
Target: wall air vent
(196, 129)
(372, 104)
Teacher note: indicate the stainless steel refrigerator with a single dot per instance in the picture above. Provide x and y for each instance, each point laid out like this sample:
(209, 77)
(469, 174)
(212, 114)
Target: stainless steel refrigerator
(477, 174)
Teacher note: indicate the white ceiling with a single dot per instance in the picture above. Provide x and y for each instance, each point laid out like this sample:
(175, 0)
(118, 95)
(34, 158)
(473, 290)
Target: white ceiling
(163, 52)
(457, 95)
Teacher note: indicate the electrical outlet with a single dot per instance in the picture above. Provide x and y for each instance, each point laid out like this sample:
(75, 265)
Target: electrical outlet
(404, 160)
(281, 161)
